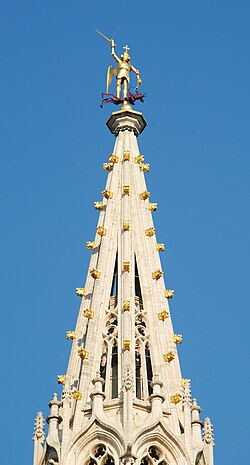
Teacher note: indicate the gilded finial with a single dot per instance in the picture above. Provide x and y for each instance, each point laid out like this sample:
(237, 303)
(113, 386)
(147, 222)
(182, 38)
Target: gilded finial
(160, 247)
(177, 338)
(126, 305)
(157, 274)
(169, 357)
(126, 225)
(139, 159)
(169, 293)
(126, 155)
(144, 167)
(144, 195)
(99, 205)
(61, 379)
(182, 382)
(80, 291)
(95, 273)
(88, 313)
(77, 395)
(107, 166)
(101, 231)
(90, 245)
(126, 267)
(150, 232)
(83, 354)
(113, 158)
(126, 344)
(152, 207)
(163, 315)
(107, 194)
(126, 189)
(71, 335)
(176, 398)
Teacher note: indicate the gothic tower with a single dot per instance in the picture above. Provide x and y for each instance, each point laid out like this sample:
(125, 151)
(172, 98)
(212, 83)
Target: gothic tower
(123, 397)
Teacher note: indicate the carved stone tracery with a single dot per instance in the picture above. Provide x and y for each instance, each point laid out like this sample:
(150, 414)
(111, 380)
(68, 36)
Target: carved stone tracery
(154, 456)
(99, 455)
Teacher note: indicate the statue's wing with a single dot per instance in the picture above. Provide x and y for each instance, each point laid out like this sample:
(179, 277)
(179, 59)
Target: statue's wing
(110, 74)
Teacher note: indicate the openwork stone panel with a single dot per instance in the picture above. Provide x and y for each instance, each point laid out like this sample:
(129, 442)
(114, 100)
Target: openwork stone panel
(154, 456)
(99, 455)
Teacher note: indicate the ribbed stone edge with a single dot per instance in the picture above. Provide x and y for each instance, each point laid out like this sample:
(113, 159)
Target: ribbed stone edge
(126, 120)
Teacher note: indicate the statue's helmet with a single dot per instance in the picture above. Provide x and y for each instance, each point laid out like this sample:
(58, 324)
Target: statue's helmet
(125, 56)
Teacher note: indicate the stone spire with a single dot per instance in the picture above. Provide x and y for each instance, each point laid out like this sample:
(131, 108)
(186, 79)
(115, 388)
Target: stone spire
(53, 420)
(197, 424)
(39, 428)
(209, 441)
(38, 437)
(208, 432)
(187, 404)
(124, 395)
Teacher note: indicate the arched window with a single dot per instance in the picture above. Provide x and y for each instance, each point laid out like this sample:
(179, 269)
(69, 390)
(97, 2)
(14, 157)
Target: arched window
(103, 364)
(114, 287)
(149, 368)
(138, 376)
(114, 370)
(154, 456)
(100, 455)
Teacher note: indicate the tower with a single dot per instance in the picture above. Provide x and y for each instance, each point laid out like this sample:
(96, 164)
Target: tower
(123, 398)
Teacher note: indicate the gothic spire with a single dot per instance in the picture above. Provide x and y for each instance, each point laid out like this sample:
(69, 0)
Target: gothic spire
(123, 395)
(39, 428)
(208, 432)
(38, 438)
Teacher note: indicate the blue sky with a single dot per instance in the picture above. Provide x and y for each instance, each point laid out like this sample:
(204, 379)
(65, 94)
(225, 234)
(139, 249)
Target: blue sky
(194, 61)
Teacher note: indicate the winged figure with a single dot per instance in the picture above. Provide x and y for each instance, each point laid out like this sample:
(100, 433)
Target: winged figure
(122, 72)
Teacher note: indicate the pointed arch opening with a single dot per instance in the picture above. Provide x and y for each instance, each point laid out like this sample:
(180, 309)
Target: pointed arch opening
(137, 283)
(138, 376)
(100, 455)
(114, 287)
(149, 369)
(103, 364)
(114, 371)
(154, 456)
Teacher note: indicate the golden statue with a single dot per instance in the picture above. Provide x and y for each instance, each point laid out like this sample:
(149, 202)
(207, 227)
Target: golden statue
(122, 70)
